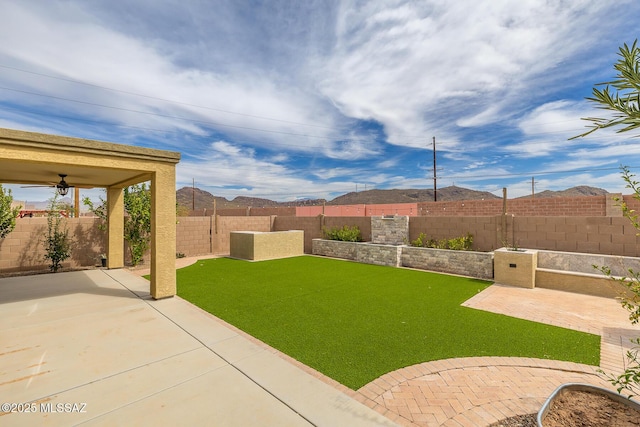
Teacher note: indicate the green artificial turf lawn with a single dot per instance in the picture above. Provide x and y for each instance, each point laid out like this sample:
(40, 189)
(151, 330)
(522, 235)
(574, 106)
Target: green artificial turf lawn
(354, 322)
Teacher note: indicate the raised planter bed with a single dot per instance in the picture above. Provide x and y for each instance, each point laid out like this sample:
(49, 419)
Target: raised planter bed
(584, 404)
(364, 252)
(465, 263)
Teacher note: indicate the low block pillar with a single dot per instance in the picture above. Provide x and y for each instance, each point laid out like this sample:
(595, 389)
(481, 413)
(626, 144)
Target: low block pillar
(515, 267)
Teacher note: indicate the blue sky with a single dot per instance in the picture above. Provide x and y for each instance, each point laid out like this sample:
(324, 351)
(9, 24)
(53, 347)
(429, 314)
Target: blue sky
(313, 99)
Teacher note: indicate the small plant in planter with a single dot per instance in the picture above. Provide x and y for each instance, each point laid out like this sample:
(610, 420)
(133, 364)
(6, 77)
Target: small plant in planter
(464, 243)
(103, 260)
(57, 243)
(344, 234)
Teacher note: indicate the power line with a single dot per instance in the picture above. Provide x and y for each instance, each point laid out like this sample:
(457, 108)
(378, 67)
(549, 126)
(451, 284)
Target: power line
(216, 109)
(535, 173)
(161, 99)
(505, 175)
(168, 116)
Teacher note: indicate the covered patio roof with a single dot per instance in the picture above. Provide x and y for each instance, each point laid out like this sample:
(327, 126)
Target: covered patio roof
(34, 158)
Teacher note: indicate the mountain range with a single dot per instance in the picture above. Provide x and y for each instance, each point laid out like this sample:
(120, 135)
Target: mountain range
(194, 198)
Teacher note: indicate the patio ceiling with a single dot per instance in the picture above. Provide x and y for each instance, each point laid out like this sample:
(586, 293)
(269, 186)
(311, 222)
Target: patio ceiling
(86, 163)
(37, 173)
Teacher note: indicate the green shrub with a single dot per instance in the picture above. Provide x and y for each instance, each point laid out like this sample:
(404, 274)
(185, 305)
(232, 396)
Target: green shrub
(421, 241)
(8, 214)
(464, 243)
(345, 234)
(57, 243)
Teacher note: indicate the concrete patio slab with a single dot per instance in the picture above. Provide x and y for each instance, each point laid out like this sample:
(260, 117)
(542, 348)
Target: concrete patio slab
(96, 341)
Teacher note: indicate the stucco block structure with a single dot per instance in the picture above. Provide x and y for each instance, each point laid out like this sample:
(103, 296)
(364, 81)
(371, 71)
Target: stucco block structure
(515, 267)
(257, 246)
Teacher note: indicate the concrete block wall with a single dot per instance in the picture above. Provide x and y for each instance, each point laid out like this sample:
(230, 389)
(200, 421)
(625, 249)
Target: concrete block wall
(541, 206)
(224, 225)
(233, 212)
(193, 235)
(251, 211)
(23, 250)
(484, 229)
(599, 235)
(312, 227)
(608, 235)
(390, 230)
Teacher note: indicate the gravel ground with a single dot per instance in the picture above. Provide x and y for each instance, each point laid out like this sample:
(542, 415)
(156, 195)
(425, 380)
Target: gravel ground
(528, 420)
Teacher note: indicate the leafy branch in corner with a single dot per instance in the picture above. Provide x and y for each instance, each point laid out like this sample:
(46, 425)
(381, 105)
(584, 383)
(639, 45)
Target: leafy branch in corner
(624, 99)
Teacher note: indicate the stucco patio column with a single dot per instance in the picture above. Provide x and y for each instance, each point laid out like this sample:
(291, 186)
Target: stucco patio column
(163, 232)
(115, 227)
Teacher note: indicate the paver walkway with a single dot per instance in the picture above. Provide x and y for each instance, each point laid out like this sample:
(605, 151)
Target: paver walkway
(484, 390)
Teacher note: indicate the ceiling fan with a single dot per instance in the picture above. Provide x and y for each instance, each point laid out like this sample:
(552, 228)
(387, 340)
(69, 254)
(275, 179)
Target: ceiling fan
(61, 187)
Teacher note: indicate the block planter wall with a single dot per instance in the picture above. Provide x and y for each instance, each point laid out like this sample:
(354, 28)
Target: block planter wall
(465, 263)
(574, 272)
(364, 252)
(334, 248)
(369, 253)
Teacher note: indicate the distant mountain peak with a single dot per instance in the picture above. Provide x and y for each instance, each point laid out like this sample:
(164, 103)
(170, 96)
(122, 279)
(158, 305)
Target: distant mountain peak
(578, 191)
(201, 199)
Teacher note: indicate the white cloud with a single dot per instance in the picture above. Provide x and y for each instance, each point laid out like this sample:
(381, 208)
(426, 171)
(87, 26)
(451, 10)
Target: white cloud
(249, 104)
(423, 66)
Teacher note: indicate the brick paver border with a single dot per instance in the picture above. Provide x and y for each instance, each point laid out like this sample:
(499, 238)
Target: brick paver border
(472, 391)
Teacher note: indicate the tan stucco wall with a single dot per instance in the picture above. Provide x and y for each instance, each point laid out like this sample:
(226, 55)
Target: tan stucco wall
(163, 230)
(22, 249)
(257, 246)
(589, 284)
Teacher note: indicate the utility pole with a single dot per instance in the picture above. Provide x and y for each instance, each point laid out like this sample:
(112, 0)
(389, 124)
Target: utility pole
(533, 188)
(435, 187)
(193, 194)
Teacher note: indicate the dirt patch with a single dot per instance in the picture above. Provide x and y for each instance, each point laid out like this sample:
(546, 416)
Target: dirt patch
(579, 409)
(585, 409)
